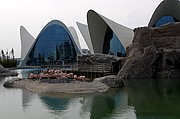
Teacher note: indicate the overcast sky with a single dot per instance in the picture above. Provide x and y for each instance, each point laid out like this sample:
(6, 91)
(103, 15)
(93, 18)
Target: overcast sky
(35, 14)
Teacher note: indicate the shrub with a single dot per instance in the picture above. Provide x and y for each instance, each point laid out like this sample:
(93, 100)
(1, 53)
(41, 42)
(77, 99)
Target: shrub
(8, 63)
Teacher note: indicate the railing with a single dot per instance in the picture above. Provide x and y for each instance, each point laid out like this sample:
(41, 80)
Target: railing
(95, 68)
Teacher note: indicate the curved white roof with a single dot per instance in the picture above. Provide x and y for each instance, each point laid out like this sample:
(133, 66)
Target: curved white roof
(166, 8)
(75, 36)
(85, 33)
(98, 24)
(26, 42)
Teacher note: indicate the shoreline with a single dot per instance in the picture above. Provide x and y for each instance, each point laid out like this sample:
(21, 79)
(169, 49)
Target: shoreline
(71, 88)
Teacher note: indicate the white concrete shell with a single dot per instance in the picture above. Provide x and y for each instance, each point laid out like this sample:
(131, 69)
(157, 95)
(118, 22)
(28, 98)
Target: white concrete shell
(85, 33)
(26, 42)
(75, 36)
(166, 8)
(98, 24)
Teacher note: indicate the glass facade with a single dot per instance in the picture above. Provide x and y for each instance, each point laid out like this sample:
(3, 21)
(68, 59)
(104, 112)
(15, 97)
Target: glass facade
(112, 44)
(165, 20)
(53, 46)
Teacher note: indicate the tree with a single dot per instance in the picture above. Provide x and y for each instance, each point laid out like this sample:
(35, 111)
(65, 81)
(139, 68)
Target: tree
(3, 55)
(12, 53)
(7, 57)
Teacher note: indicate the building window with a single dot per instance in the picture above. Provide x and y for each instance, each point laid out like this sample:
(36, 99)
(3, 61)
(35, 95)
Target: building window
(53, 46)
(116, 48)
(112, 44)
(165, 20)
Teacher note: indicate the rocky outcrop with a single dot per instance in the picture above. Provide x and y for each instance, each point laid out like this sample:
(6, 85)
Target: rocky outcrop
(111, 81)
(4, 72)
(154, 53)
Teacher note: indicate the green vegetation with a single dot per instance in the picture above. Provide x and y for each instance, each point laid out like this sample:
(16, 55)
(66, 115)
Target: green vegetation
(8, 63)
(7, 59)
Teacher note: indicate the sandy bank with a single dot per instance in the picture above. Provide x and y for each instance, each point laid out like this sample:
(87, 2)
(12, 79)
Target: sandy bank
(75, 87)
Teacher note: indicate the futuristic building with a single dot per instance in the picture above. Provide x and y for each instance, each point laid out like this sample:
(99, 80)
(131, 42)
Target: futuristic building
(166, 12)
(55, 44)
(103, 35)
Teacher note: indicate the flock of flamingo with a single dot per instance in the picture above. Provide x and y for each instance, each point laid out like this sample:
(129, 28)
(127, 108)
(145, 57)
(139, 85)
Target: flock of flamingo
(55, 74)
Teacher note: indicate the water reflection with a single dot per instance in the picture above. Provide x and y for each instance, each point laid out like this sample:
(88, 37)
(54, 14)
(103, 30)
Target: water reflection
(86, 106)
(155, 98)
(67, 108)
(27, 98)
(140, 99)
(107, 105)
(112, 104)
(55, 103)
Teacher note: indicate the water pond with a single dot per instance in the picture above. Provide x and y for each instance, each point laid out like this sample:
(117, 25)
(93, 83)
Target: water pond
(139, 99)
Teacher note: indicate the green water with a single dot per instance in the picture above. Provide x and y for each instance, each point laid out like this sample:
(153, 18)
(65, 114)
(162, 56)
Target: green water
(139, 99)
(155, 99)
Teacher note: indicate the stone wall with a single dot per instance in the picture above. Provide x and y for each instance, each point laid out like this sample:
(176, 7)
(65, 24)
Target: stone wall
(154, 53)
(99, 63)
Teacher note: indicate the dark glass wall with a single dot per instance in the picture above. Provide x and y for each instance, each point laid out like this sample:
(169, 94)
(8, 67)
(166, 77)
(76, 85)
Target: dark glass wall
(165, 20)
(112, 44)
(53, 46)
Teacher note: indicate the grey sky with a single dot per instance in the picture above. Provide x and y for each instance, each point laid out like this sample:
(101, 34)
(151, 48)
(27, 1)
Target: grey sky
(35, 14)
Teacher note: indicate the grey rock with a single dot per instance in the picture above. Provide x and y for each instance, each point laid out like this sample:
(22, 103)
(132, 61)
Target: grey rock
(4, 72)
(9, 84)
(154, 52)
(2, 69)
(111, 81)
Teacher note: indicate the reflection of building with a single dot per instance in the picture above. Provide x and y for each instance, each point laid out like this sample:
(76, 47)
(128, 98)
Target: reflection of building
(111, 103)
(166, 12)
(103, 35)
(54, 44)
(27, 98)
(55, 103)
(154, 98)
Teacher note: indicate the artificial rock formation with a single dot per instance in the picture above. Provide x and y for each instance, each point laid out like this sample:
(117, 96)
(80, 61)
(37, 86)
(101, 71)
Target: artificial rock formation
(111, 81)
(99, 63)
(4, 72)
(154, 53)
